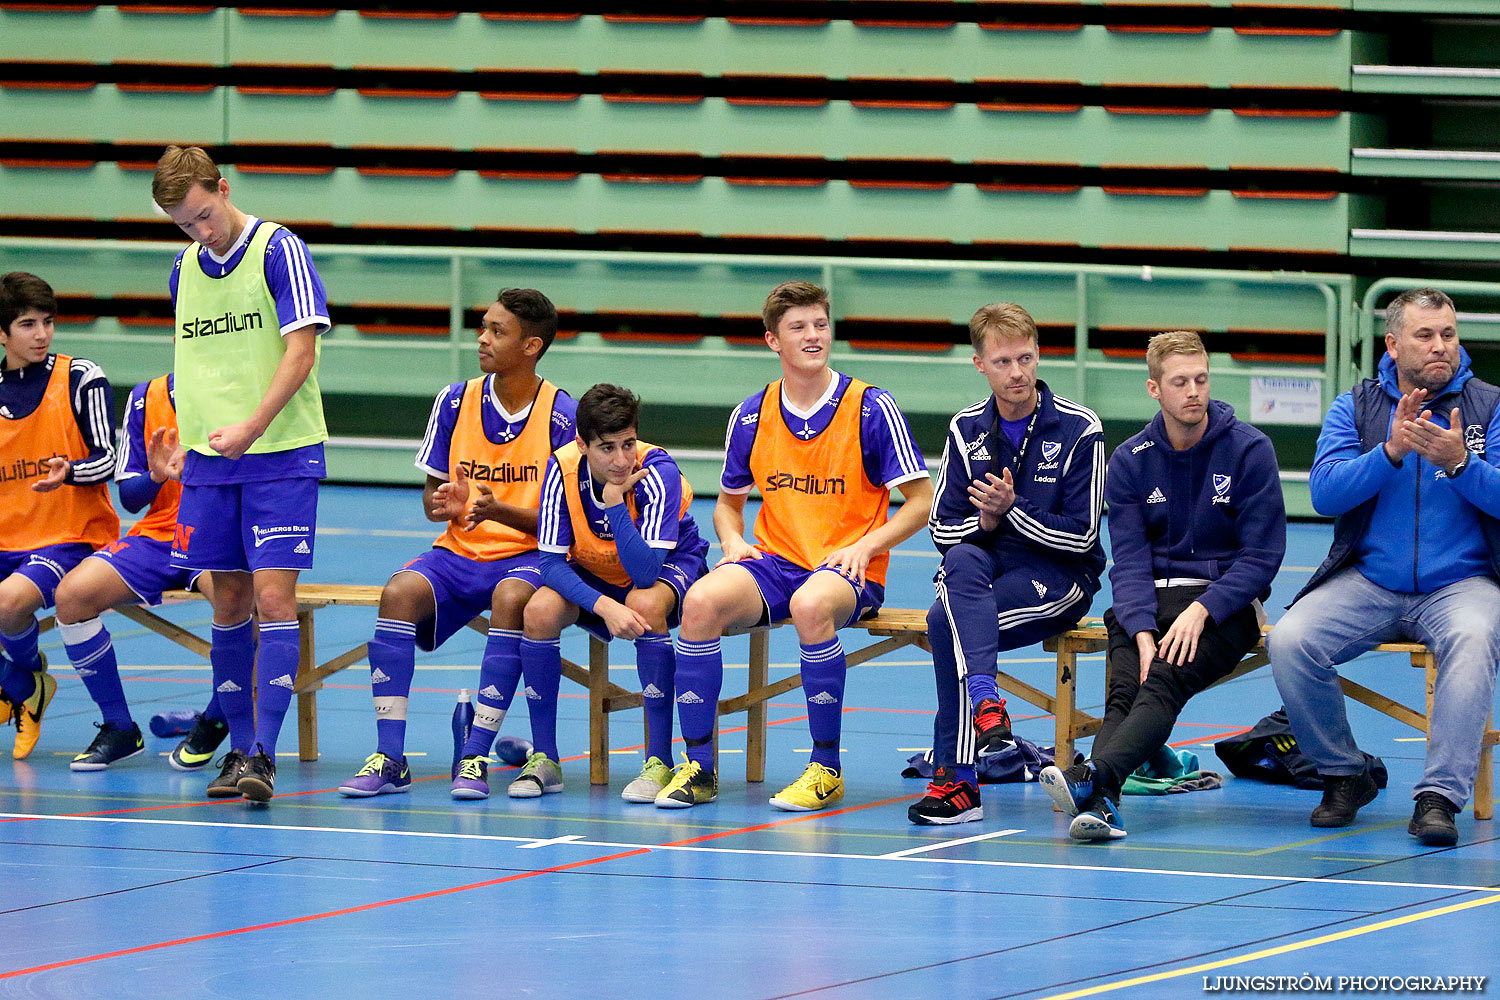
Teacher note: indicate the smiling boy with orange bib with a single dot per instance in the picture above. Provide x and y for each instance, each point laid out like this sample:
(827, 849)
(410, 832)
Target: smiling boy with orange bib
(825, 450)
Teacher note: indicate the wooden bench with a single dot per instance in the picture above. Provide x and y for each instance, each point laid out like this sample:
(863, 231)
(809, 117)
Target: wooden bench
(311, 597)
(893, 629)
(1090, 636)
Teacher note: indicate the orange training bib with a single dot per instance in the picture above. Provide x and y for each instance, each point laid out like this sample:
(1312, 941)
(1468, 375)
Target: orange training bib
(816, 497)
(28, 519)
(513, 472)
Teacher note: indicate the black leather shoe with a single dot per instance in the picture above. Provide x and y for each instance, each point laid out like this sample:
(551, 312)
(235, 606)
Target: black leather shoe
(1343, 795)
(1432, 820)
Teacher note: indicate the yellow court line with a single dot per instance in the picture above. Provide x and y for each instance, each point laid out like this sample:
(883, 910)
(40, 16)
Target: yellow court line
(1278, 950)
(1351, 832)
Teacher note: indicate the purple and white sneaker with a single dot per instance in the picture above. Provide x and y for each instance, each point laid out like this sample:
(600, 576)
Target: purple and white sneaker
(472, 780)
(381, 775)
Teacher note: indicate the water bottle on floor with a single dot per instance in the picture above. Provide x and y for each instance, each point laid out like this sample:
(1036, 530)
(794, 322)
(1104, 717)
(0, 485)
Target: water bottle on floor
(463, 718)
(178, 722)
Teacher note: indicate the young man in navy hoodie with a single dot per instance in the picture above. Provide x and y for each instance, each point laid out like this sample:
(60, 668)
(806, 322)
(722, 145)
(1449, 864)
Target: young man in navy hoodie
(1197, 529)
(1407, 463)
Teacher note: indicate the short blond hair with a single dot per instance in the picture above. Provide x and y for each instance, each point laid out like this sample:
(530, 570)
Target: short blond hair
(179, 168)
(1171, 342)
(1002, 319)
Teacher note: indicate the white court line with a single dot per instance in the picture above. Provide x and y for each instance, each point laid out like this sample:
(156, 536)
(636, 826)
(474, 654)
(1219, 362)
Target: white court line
(567, 839)
(699, 849)
(949, 843)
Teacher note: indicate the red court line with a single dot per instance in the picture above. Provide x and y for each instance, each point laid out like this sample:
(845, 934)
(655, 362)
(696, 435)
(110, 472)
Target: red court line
(434, 894)
(901, 711)
(293, 921)
(1212, 737)
(1202, 725)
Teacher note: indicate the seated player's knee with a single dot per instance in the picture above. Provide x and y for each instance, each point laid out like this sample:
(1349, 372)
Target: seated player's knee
(811, 610)
(74, 601)
(652, 604)
(702, 612)
(15, 609)
(509, 602)
(404, 598)
(544, 613)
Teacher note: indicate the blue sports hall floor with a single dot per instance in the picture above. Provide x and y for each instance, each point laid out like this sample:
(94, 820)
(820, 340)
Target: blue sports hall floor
(128, 883)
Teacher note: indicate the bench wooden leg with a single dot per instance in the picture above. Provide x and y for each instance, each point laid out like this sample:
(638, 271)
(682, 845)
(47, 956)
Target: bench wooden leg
(598, 713)
(307, 701)
(646, 732)
(755, 715)
(714, 742)
(1428, 664)
(1484, 782)
(1067, 679)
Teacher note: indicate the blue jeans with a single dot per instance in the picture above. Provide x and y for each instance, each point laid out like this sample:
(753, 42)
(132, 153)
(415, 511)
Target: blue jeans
(1348, 615)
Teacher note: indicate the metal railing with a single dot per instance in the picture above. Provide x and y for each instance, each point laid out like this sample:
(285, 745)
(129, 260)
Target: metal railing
(1337, 290)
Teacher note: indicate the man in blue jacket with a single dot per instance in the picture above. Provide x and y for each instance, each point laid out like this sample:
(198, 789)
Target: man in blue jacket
(1016, 516)
(1406, 462)
(1197, 529)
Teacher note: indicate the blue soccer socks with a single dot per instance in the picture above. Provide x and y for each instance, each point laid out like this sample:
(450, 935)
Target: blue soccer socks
(92, 654)
(823, 673)
(213, 711)
(233, 657)
(17, 681)
(541, 664)
(393, 664)
(22, 649)
(700, 675)
(276, 673)
(656, 665)
(499, 673)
